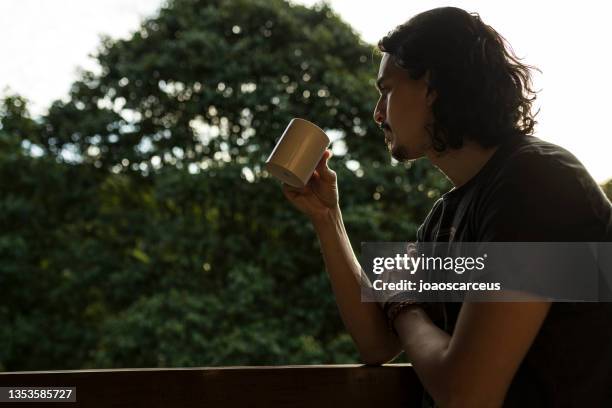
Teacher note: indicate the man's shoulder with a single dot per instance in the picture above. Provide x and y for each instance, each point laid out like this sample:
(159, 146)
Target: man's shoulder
(544, 187)
(533, 157)
(536, 167)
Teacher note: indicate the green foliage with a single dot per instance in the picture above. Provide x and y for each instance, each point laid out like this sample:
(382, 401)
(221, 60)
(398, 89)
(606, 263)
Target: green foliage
(137, 225)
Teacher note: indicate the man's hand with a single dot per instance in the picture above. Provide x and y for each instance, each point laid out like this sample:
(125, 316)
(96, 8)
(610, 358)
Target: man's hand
(389, 299)
(320, 195)
(388, 296)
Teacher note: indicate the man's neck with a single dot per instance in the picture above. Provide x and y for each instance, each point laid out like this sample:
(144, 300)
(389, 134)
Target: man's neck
(460, 165)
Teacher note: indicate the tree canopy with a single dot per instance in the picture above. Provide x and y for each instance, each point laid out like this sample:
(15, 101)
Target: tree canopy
(138, 227)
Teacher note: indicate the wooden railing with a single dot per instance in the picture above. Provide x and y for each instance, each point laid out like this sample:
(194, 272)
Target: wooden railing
(337, 386)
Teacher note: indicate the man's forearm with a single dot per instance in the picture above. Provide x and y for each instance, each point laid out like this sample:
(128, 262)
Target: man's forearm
(365, 321)
(424, 344)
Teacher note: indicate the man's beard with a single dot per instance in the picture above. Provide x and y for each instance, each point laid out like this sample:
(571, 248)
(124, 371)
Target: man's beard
(399, 153)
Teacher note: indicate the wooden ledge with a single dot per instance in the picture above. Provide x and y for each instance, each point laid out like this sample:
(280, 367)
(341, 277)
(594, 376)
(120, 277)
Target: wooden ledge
(337, 386)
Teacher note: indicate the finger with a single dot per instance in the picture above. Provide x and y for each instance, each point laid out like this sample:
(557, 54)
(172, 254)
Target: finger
(323, 160)
(292, 195)
(411, 249)
(315, 177)
(322, 167)
(291, 189)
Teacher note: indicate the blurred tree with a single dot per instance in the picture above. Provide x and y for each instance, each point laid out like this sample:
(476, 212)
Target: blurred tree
(138, 225)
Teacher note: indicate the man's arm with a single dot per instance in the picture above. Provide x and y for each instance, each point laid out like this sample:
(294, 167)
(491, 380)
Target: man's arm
(475, 366)
(365, 321)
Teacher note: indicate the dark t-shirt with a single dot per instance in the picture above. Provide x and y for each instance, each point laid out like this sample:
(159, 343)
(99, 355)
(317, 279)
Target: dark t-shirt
(531, 190)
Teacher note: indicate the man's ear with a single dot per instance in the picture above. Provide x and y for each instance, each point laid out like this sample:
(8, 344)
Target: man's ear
(431, 93)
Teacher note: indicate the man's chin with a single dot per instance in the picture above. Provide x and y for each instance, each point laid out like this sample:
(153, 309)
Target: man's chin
(402, 154)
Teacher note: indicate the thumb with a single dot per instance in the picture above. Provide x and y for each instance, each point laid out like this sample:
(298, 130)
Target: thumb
(322, 168)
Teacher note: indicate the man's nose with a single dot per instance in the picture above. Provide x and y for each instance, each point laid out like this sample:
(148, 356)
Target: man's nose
(379, 116)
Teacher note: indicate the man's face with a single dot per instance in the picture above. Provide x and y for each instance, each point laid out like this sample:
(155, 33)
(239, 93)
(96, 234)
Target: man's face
(403, 110)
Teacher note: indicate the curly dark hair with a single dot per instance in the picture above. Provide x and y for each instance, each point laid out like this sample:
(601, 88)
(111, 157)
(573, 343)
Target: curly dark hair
(483, 90)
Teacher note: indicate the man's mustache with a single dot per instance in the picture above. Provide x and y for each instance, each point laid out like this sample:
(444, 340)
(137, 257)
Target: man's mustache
(384, 126)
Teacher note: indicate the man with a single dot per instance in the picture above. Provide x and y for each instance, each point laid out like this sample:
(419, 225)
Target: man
(452, 92)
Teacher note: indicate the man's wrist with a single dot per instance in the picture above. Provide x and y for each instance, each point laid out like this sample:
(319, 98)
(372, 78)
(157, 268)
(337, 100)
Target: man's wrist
(400, 310)
(326, 218)
(407, 314)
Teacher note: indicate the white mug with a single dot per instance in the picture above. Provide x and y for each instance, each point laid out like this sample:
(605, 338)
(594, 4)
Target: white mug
(297, 152)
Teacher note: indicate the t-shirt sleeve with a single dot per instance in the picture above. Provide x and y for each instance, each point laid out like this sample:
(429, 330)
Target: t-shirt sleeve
(538, 199)
(535, 198)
